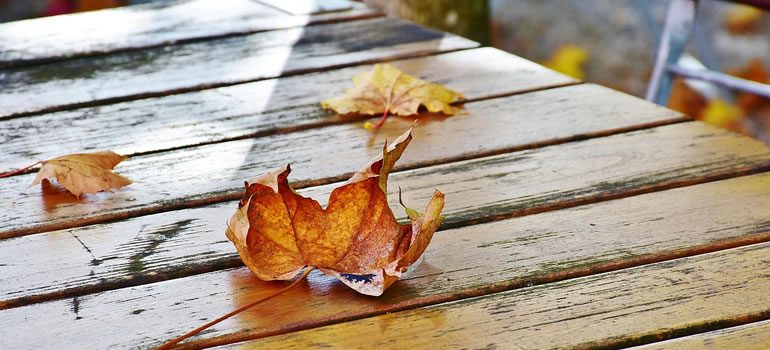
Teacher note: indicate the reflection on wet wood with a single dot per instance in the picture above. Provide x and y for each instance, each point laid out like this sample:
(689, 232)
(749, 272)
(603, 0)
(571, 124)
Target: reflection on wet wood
(248, 110)
(180, 68)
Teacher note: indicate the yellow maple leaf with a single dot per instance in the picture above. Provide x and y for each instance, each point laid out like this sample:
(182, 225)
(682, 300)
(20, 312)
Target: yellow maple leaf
(84, 172)
(385, 89)
(568, 60)
(721, 113)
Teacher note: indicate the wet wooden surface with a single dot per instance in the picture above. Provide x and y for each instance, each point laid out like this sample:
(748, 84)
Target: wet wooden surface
(511, 184)
(614, 309)
(569, 206)
(226, 61)
(212, 173)
(252, 109)
(164, 178)
(462, 262)
(26, 43)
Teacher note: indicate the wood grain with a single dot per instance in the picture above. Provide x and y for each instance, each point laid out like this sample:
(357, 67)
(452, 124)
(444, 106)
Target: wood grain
(226, 61)
(459, 263)
(49, 39)
(247, 110)
(614, 310)
(214, 173)
(499, 186)
(753, 336)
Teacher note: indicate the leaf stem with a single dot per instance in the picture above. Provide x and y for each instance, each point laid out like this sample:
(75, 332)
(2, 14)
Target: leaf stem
(234, 312)
(11, 173)
(382, 120)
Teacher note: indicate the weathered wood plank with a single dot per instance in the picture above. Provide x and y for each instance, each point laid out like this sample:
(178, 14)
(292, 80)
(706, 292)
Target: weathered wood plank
(753, 336)
(613, 310)
(130, 252)
(460, 263)
(214, 173)
(56, 38)
(252, 109)
(226, 61)
(499, 186)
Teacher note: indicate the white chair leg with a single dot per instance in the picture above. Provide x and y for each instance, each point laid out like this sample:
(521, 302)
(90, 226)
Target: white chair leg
(679, 22)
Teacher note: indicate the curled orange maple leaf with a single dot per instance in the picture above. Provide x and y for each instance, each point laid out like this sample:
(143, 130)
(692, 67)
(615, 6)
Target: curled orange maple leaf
(356, 238)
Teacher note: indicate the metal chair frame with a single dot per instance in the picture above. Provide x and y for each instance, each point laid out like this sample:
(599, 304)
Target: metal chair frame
(678, 26)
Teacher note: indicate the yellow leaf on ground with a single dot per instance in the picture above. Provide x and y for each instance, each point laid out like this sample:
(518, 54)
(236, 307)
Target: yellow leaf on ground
(84, 172)
(569, 60)
(722, 114)
(385, 89)
(356, 238)
(740, 18)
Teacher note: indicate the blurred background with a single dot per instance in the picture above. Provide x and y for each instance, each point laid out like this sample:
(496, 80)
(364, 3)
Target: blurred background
(608, 42)
(13, 10)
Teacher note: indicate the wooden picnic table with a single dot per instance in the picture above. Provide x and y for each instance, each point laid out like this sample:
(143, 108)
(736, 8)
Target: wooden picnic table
(576, 216)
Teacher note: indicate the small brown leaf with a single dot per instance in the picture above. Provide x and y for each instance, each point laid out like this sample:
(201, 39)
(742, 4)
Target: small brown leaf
(356, 238)
(84, 172)
(385, 89)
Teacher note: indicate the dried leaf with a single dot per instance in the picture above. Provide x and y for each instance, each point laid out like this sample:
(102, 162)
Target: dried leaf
(84, 172)
(385, 89)
(356, 238)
